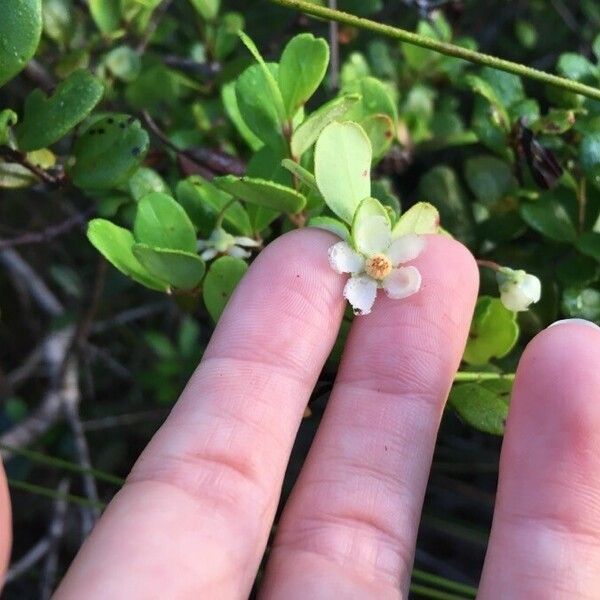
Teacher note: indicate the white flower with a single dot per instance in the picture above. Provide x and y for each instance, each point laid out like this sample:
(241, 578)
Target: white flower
(518, 289)
(221, 242)
(376, 263)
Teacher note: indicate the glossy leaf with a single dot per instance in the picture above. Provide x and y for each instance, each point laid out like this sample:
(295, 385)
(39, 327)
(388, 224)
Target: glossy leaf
(581, 303)
(227, 37)
(257, 106)
(230, 103)
(204, 202)
(494, 332)
(308, 132)
(479, 407)
(145, 181)
(20, 32)
(181, 270)
(220, 282)
(422, 218)
(589, 244)
(115, 244)
(161, 222)
(489, 178)
(8, 118)
(263, 193)
(302, 67)
(109, 152)
(550, 218)
(304, 176)
(380, 130)
(106, 14)
(207, 9)
(47, 120)
(343, 167)
(124, 63)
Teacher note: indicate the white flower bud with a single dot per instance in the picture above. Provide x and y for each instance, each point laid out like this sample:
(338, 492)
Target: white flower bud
(518, 289)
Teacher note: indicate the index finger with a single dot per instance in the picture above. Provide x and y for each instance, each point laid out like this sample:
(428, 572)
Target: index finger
(197, 509)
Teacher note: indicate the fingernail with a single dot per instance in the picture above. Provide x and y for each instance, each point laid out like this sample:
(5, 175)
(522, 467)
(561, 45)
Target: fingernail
(574, 321)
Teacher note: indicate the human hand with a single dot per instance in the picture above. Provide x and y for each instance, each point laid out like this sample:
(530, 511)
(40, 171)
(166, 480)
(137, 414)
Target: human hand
(195, 514)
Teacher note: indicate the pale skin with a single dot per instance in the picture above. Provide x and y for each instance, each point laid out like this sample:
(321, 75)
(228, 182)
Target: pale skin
(195, 515)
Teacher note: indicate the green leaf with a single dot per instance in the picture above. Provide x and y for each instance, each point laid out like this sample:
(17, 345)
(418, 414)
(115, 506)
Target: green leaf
(109, 152)
(204, 202)
(115, 244)
(145, 181)
(8, 118)
(375, 100)
(581, 303)
(124, 63)
(161, 222)
(47, 120)
(422, 218)
(556, 122)
(343, 167)
(270, 77)
(589, 156)
(550, 218)
(483, 88)
(257, 106)
(308, 132)
(181, 270)
(106, 14)
(380, 130)
(494, 332)
(577, 270)
(228, 34)
(589, 244)
(230, 103)
(20, 32)
(221, 280)
(332, 225)
(489, 178)
(479, 407)
(578, 67)
(441, 187)
(302, 67)
(263, 193)
(207, 9)
(304, 176)
(16, 176)
(508, 87)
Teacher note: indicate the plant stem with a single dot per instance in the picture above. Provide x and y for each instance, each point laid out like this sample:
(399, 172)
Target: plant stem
(60, 463)
(427, 592)
(441, 47)
(488, 264)
(482, 376)
(443, 582)
(32, 488)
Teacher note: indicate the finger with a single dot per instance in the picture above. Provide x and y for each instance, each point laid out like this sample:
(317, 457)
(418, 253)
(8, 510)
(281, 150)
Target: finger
(5, 525)
(545, 539)
(195, 516)
(351, 523)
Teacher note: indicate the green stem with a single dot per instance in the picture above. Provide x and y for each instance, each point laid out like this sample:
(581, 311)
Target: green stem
(482, 376)
(442, 582)
(59, 463)
(441, 47)
(39, 490)
(427, 592)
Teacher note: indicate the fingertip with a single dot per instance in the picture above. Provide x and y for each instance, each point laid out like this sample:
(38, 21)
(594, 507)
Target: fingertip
(5, 524)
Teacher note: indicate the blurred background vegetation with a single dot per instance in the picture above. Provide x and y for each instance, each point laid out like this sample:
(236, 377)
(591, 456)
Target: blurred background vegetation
(91, 362)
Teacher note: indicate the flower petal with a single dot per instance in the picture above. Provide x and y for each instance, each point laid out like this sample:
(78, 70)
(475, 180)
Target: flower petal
(246, 241)
(372, 235)
(402, 282)
(532, 287)
(209, 254)
(343, 259)
(238, 252)
(405, 249)
(361, 292)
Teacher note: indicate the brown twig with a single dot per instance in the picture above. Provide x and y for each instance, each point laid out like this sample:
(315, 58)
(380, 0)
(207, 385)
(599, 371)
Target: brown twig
(210, 162)
(48, 234)
(159, 13)
(15, 156)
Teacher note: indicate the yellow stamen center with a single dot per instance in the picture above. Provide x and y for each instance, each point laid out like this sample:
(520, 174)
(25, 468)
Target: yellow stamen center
(379, 266)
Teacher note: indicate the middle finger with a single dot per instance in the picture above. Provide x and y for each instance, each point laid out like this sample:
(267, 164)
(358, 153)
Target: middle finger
(351, 523)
